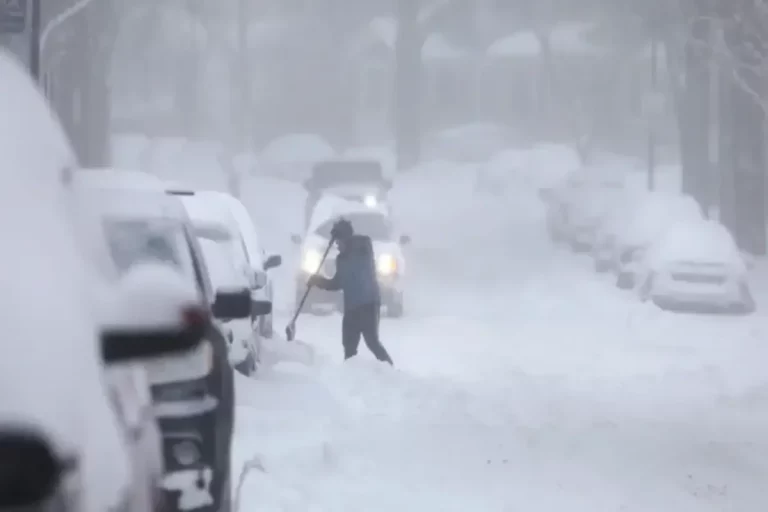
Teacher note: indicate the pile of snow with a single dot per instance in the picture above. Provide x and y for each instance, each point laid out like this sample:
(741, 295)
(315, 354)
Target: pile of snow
(697, 241)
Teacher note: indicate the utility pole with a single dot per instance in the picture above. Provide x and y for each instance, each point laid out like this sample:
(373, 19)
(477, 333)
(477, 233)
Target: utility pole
(35, 57)
(408, 71)
(652, 116)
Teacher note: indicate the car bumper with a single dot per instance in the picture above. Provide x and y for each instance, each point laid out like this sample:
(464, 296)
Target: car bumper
(194, 446)
(665, 289)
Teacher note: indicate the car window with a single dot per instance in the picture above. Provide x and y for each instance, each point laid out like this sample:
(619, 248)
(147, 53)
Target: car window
(374, 225)
(133, 241)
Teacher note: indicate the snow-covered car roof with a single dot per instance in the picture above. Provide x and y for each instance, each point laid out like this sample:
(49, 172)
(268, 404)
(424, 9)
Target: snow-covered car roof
(332, 207)
(699, 242)
(138, 203)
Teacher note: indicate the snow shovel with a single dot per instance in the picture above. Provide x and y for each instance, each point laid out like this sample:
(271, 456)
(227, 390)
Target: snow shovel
(290, 330)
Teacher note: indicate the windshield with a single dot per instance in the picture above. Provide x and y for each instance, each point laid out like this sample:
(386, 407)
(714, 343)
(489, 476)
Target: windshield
(374, 225)
(133, 241)
(221, 266)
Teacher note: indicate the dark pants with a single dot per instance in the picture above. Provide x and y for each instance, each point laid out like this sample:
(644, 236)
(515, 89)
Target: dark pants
(363, 320)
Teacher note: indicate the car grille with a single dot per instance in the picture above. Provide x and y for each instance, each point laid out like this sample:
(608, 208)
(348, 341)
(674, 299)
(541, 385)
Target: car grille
(690, 277)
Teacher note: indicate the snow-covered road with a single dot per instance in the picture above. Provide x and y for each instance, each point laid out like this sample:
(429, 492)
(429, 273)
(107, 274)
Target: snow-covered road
(523, 382)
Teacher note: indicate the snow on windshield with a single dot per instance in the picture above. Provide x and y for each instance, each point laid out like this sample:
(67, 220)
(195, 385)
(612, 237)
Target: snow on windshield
(221, 266)
(133, 241)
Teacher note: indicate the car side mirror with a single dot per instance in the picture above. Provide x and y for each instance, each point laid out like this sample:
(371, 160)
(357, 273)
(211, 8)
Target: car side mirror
(405, 240)
(261, 307)
(232, 305)
(273, 261)
(296, 239)
(30, 471)
(156, 312)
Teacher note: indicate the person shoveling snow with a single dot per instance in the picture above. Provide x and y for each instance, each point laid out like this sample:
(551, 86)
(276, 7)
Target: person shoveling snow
(356, 278)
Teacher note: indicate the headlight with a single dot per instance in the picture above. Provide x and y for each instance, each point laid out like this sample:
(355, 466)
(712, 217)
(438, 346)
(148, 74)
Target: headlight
(386, 264)
(370, 201)
(310, 263)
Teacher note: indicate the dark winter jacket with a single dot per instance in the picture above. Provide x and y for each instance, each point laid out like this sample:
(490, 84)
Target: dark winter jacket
(355, 274)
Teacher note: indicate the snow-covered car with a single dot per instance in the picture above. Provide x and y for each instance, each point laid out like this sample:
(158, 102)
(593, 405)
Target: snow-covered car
(387, 246)
(65, 444)
(616, 220)
(587, 213)
(223, 253)
(361, 181)
(647, 221)
(502, 171)
(224, 208)
(193, 394)
(696, 264)
(577, 208)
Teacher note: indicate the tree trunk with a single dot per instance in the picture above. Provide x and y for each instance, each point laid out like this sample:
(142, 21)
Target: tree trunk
(408, 85)
(693, 115)
(748, 158)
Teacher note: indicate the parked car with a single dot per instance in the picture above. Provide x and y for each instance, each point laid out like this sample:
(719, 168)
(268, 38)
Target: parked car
(193, 394)
(65, 444)
(614, 224)
(374, 222)
(696, 264)
(223, 256)
(646, 223)
(579, 205)
(221, 207)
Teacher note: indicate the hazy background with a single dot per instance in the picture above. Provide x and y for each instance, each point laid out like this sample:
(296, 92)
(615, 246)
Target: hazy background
(663, 80)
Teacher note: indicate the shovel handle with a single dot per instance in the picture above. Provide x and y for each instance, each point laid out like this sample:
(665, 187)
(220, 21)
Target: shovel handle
(292, 323)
